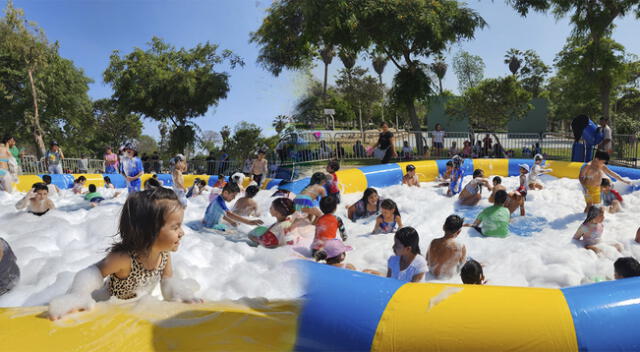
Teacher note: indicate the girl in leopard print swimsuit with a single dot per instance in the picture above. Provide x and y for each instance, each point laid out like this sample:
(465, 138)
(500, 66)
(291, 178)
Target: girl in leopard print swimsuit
(150, 228)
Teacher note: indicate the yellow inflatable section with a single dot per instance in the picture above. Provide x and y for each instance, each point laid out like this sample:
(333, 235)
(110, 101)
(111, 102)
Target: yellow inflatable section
(154, 326)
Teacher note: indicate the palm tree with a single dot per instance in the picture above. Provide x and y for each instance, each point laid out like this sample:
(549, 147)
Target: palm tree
(327, 54)
(379, 63)
(439, 67)
(513, 59)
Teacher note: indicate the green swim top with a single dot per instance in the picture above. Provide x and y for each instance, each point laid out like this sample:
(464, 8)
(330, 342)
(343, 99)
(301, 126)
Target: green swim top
(495, 221)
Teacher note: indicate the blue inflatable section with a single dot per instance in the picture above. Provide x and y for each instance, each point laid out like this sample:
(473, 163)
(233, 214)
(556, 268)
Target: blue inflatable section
(467, 166)
(273, 183)
(383, 175)
(514, 165)
(339, 310)
(117, 180)
(605, 315)
(166, 180)
(63, 181)
(213, 179)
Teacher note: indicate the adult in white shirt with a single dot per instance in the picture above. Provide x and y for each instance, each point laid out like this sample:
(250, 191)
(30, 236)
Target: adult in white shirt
(607, 144)
(437, 139)
(407, 264)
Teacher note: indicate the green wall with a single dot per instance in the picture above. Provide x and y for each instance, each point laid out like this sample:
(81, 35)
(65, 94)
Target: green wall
(534, 122)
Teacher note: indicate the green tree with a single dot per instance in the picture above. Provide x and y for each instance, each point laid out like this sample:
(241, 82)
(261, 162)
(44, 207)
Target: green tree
(491, 104)
(209, 141)
(593, 22)
(439, 67)
(40, 92)
(469, 69)
(113, 127)
(246, 139)
(165, 83)
(513, 58)
(533, 73)
(361, 91)
(280, 122)
(309, 108)
(146, 145)
(405, 31)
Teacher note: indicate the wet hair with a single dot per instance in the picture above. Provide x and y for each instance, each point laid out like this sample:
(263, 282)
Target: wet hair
(46, 179)
(605, 182)
(390, 205)
(221, 177)
(334, 165)
(497, 180)
(231, 187)
(281, 184)
(452, 224)
(143, 215)
(477, 173)
(92, 188)
(152, 183)
(450, 163)
(600, 155)
(202, 183)
(367, 193)
(284, 206)
(593, 212)
(471, 273)
(321, 255)
(410, 167)
(317, 178)
(80, 179)
(627, 267)
(328, 204)
(500, 197)
(107, 180)
(40, 186)
(409, 237)
(251, 191)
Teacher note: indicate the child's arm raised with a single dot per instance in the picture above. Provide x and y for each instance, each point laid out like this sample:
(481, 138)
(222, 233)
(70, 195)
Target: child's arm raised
(614, 175)
(175, 289)
(78, 297)
(22, 203)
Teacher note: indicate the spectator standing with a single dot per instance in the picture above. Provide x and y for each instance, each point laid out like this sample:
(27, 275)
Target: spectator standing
(259, 168)
(83, 164)
(156, 162)
(437, 140)
(222, 165)
(488, 144)
(358, 150)
(607, 144)
(16, 152)
(53, 158)
(325, 151)
(110, 161)
(339, 151)
(385, 149)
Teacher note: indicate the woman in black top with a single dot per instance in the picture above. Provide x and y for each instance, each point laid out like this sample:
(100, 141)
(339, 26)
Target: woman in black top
(386, 143)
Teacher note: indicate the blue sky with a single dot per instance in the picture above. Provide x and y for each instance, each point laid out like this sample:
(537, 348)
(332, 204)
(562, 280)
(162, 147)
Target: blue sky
(89, 30)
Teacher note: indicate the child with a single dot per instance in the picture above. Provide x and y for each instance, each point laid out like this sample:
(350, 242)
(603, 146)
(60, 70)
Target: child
(495, 218)
(276, 234)
(471, 273)
(514, 200)
(467, 151)
(327, 225)
(93, 196)
(36, 201)
(455, 184)
(306, 201)
(389, 220)
(283, 190)
(334, 252)
(53, 189)
(610, 197)
(477, 149)
(407, 151)
(78, 185)
(411, 179)
(472, 192)
(217, 210)
(626, 267)
(83, 164)
(367, 206)
(537, 170)
(453, 151)
(152, 183)
(107, 183)
(524, 171)
(220, 182)
(9, 270)
(407, 264)
(332, 183)
(198, 188)
(591, 178)
(445, 256)
(445, 178)
(259, 167)
(247, 206)
(150, 229)
(590, 232)
(178, 179)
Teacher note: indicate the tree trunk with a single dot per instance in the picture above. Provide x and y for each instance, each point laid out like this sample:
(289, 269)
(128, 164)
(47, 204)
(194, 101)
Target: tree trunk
(415, 124)
(324, 87)
(36, 130)
(440, 83)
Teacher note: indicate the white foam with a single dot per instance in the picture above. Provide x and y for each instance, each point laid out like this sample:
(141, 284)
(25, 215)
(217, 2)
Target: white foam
(52, 248)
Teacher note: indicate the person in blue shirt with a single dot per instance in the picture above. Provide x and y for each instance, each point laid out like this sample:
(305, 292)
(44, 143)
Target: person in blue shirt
(133, 170)
(218, 210)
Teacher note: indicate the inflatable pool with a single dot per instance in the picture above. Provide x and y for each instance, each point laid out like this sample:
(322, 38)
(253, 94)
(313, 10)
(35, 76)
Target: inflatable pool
(345, 310)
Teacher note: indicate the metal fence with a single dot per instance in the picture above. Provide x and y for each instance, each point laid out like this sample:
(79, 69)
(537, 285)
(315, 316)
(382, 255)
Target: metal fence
(305, 147)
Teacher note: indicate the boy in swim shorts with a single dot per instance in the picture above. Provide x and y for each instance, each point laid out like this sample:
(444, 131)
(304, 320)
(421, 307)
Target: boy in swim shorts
(445, 256)
(411, 179)
(217, 210)
(591, 178)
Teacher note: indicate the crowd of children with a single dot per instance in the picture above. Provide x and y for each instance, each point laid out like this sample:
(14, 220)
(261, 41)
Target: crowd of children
(151, 227)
